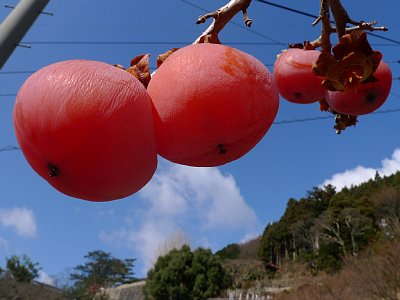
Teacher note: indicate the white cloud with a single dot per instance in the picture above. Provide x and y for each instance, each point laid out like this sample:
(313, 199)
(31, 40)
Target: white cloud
(45, 278)
(4, 244)
(362, 174)
(20, 219)
(201, 203)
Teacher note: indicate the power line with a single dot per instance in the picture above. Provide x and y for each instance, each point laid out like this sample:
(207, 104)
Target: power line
(33, 71)
(16, 72)
(291, 121)
(315, 17)
(309, 119)
(9, 148)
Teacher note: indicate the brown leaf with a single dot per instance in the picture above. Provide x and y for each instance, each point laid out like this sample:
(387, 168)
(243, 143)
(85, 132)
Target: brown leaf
(162, 57)
(140, 69)
(323, 63)
(344, 121)
(324, 106)
(353, 62)
(354, 41)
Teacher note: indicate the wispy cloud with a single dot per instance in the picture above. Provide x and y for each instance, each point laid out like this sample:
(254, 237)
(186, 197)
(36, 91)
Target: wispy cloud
(362, 174)
(20, 219)
(45, 278)
(4, 244)
(202, 203)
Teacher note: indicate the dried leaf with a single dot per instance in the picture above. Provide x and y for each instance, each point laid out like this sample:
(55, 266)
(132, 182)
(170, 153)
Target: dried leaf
(162, 57)
(354, 41)
(323, 105)
(353, 62)
(140, 69)
(323, 63)
(344, 121)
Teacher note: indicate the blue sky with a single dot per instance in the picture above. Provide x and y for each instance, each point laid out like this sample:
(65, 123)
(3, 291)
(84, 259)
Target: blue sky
(208, 207)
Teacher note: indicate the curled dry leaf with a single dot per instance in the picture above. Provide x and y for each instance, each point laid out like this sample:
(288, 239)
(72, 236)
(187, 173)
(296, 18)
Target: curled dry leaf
(140, 69)
(162, 57)
(306, 45)
(353, 62)
(323, 105)
(344, 121)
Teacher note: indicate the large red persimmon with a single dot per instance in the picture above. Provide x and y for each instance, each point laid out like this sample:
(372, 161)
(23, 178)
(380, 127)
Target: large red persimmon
(212, 104)
(295, 78)
(86, 127)
(365, 97)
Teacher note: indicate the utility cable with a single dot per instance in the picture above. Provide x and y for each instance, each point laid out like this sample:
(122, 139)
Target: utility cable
(315, 17)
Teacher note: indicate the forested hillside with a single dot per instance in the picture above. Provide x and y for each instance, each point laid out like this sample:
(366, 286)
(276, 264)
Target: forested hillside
(326, 226)
(322, 242)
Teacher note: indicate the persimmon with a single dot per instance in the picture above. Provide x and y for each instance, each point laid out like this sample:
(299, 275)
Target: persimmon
(295, 78)
(364, 98)
(211, 104)
(86, 127)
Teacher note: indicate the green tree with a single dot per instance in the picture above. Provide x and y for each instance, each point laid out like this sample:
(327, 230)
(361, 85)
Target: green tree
(21, 268)
(184, 275)
(99, 270)
(231, 251)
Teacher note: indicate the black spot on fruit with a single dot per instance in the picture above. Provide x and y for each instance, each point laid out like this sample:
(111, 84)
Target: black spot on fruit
(371, 97)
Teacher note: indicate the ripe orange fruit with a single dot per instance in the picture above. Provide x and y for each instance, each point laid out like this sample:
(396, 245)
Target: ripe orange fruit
(295, 78)
(86, 127)
(212, 104)
(365, 97)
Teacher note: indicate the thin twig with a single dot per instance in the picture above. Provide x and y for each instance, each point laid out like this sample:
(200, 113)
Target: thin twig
(325, 39)
(221, 17)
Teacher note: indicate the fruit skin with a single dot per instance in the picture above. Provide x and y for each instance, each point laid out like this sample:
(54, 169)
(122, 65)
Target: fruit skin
(86, 127)
(295, 78)
(366, 97)
(212, 104)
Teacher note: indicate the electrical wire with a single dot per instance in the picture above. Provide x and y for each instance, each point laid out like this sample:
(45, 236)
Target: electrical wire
(315, 17)
(291, 121)
(9, 148)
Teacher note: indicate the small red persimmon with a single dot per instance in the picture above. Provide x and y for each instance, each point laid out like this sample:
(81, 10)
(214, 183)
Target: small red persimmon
(295, 78)
(212, 104)
(365, 97)
(86, 127)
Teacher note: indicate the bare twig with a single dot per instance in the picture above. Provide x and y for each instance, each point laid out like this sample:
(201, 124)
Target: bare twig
(342, 19)
(221, 17)
(324, 41)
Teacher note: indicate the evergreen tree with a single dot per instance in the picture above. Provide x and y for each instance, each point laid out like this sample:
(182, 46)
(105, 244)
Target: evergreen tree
(184, 275)
(21, 268)
(99, 270)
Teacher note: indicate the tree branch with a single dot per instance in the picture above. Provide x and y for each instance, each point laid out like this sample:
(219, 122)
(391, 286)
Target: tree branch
(221, 17)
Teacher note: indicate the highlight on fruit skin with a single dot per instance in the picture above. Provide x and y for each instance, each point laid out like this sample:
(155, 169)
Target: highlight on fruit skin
(86, 127)
(212, 104)
(363, 98)
(295, 78)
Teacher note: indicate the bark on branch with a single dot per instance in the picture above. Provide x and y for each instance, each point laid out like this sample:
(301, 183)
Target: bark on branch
(341, 18)
(221, 17)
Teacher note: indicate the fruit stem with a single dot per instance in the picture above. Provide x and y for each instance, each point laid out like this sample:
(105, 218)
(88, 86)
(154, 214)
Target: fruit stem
(222, 16)
(341, 18)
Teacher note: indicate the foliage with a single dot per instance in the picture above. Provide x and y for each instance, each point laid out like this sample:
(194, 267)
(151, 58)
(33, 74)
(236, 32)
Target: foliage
(231, 251)
(21, 268)
(184, 274)
(99, 271)
(326, 226)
